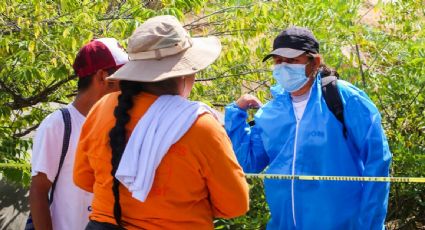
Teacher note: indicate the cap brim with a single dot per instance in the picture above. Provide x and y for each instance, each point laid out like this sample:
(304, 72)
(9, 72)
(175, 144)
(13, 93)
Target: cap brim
(204, 52)
(284, 52)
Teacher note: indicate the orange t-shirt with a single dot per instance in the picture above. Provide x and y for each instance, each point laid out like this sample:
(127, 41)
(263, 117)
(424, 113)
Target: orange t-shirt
(198, 179)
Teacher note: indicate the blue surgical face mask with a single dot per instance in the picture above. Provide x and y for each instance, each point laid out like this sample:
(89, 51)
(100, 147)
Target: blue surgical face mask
(290, 76)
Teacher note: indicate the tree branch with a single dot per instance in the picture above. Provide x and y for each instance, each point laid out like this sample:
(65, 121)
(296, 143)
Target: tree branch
(202, 24)
(15, 95)
(233, 75)
(383, 108)
(218, 104)
(21, 134)
(11, 23)
(217, 12)
(40, 97)
(376, 56)
(264, 83)
(50, 21)
(118, 8)
(53, 19)
(360, 62)
(366, 13)
(411, 103)
(230, 32)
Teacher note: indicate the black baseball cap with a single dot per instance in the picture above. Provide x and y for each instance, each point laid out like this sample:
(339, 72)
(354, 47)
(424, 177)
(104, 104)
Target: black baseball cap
(293, 42)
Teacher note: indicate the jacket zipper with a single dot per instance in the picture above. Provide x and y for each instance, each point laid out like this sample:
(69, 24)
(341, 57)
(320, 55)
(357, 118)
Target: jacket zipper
(293, 171)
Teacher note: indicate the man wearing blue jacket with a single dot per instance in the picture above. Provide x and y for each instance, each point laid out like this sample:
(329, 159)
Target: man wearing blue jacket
(295, 133)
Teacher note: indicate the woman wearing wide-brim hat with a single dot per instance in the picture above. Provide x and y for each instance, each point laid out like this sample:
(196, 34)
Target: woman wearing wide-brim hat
(152, 158)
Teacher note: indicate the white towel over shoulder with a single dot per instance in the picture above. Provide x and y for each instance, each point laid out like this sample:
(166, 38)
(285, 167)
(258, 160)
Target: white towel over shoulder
(165, 122)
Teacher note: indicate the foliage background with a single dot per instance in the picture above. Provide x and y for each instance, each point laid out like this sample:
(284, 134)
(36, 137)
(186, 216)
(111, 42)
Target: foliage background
(377, 45)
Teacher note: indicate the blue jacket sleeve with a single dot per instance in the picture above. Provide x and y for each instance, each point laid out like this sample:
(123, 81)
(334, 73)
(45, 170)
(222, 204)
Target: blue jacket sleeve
(363, 122)
(246, 140)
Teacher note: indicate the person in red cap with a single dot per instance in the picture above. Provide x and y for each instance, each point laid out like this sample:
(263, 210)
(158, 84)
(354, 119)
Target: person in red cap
(56, 140)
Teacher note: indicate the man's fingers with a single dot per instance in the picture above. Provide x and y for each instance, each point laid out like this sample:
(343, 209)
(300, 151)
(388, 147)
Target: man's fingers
(248, 101)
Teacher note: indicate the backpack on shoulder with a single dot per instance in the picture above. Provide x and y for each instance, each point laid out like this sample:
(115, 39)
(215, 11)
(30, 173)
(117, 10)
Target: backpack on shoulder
(66, 137)
(333, 98)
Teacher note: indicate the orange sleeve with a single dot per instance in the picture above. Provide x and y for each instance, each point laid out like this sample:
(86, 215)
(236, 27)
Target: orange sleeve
(83, 172)
(229, 192)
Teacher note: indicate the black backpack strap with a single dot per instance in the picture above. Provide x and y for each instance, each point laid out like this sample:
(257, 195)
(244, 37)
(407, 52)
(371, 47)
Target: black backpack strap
(333, 99)
(66, 137)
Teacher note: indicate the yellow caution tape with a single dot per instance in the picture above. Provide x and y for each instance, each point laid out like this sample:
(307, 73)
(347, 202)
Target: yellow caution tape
(294, 177)
(337, 178)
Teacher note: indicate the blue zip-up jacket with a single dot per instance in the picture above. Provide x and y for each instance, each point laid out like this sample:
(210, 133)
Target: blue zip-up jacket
(316, 146)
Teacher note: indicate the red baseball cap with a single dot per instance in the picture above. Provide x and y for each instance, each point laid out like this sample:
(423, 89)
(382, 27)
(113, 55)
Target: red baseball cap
(103, 53)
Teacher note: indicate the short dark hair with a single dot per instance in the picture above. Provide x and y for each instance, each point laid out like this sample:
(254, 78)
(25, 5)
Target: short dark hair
(84, 82)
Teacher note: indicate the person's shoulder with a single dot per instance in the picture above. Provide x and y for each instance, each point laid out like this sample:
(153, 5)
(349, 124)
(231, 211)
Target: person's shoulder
(347, 86)
(49, 129)
(277, 93)
(348, 90)
(206, 122)
(206, 128)
(52, 120)
(206, 135)
(109, 99)
(278, 101)
(355, 98)
(107, 102)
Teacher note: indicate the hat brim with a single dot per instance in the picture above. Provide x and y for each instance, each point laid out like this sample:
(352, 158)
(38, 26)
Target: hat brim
(202, 53)
(284, 52)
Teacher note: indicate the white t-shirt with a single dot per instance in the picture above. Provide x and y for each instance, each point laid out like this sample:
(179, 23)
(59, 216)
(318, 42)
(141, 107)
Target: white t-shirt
(71, 205)
(299, 108)
(299, 103)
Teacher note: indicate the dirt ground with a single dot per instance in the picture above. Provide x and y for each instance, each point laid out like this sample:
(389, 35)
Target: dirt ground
(13, 206)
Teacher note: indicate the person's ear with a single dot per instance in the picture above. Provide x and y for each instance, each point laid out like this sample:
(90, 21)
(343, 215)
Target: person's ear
(100, 77)
(313, 65)
(317, 60)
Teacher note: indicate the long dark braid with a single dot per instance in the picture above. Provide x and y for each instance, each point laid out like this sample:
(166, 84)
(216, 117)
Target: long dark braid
(117, 135)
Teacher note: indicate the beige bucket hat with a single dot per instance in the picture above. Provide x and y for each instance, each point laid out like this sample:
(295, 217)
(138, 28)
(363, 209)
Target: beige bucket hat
(161, 48)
